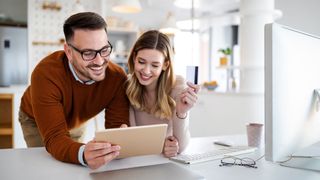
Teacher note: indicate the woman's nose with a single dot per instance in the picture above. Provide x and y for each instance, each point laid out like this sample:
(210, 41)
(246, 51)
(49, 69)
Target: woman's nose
(146, 69)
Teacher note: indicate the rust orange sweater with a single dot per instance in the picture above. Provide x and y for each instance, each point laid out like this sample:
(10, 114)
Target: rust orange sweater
(59, 103)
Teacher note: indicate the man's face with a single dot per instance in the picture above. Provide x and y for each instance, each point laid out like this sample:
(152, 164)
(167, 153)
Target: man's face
(87, 42)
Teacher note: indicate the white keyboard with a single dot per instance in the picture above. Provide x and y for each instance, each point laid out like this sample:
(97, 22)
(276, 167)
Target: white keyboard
(213, 154)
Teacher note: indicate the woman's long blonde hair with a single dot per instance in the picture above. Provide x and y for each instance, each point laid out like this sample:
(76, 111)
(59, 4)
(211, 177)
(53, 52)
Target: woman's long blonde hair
(165, 104)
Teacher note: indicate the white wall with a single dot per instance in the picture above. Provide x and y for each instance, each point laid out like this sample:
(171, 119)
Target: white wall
(225, 113)
(300, 14)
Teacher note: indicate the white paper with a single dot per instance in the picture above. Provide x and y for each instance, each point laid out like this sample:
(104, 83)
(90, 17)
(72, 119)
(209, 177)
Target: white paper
(131, 162)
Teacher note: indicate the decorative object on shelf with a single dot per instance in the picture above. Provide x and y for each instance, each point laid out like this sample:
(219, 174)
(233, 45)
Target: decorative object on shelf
(127, 6)
(233, 83)
(51, 6)
(122, 40)
(116, 22)
(211, 85)
(112, 21)
(121, 54)
(224, 59)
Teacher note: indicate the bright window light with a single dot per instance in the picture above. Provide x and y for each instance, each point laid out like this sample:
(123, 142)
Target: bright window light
(187, 4)
(187, 24)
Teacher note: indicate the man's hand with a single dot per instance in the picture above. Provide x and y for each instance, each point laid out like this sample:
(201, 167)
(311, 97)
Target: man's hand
(171, 147)
(123, 126)
(97, 154)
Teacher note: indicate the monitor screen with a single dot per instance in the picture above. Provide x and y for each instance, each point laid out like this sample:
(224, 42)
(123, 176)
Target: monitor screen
(292, 73)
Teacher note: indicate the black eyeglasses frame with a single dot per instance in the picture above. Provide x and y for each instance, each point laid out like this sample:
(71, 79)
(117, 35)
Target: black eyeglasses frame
(96, 51)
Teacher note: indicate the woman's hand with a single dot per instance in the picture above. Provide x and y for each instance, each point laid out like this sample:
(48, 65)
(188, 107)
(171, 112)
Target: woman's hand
(171, 147)
(187, 99)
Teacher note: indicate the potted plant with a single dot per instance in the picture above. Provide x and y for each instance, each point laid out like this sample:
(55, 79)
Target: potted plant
(224, 59)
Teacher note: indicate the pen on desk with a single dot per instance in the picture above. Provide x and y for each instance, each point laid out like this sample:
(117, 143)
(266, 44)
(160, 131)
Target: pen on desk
(222, 143)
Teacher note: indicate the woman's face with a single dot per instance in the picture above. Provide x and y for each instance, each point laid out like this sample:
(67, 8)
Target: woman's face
(148, 65)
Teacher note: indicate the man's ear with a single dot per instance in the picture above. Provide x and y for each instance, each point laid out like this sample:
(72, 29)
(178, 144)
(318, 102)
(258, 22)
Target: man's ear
(165, 65)
(67, 50)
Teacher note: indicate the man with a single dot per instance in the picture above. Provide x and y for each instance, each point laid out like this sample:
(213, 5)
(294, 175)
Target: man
(69, 87)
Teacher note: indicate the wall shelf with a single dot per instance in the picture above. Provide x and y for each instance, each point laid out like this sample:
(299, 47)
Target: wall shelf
(6, 120)
(241, 67)
(6, 131)
(234, 75)
(48, 43)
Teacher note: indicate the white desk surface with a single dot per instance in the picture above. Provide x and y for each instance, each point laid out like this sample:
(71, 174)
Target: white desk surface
(36, 163)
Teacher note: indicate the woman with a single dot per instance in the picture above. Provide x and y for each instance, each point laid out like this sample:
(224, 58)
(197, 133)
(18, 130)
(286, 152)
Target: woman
(158, 96)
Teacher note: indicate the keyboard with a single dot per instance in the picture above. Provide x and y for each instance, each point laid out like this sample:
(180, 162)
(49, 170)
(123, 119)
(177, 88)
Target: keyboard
(213, 154)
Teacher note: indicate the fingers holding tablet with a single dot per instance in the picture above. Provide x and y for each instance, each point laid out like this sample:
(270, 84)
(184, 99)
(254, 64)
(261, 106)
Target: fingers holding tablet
(97, 153)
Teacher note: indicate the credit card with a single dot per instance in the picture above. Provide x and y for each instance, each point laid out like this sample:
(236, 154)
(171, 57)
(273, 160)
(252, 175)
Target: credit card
(192, 74)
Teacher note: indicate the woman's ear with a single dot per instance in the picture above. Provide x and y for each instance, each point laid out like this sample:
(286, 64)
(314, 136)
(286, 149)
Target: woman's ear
(165, 65)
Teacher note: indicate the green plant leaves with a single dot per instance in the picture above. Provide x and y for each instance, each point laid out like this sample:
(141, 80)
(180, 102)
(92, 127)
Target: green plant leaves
(226, 51)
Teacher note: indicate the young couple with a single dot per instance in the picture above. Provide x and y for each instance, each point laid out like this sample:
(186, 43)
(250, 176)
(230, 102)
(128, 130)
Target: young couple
(69, 87)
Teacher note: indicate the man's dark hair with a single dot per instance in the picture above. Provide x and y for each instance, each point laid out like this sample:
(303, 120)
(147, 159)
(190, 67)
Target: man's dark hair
(84, 20)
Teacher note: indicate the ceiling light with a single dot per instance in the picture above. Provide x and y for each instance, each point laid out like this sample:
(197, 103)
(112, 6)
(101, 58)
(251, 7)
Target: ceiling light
(127, 6)
(169, 26)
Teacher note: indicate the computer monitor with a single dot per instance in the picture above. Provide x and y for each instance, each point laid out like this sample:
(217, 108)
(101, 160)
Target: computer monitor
(292, 73)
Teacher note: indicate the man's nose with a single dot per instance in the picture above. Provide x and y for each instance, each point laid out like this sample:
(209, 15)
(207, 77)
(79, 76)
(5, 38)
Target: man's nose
(98, 60)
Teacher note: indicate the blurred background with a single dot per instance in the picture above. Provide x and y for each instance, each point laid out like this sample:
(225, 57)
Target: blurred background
(225, 38)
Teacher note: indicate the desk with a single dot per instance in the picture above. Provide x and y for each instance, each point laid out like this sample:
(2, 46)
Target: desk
(36, 163)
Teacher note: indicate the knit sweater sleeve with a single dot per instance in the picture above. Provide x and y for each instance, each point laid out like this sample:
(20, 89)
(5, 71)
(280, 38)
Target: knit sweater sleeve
(180, 126)
(117, 111)
(50, 117)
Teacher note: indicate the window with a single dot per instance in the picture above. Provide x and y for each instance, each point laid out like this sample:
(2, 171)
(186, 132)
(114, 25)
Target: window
(186, 46)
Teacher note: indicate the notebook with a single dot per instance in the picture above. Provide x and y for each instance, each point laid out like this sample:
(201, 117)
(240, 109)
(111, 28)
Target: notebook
(165, 171)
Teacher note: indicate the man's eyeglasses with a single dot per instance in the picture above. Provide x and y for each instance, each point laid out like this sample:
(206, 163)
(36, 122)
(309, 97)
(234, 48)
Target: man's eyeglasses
(231, 161)
(90, 54)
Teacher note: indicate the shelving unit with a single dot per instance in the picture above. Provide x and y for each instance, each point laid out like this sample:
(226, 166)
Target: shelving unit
(6, 120)
(238, 72)
(128, 38)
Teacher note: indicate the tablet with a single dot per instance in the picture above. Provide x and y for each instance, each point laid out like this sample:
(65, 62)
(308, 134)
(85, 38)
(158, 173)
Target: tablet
(136, 140)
